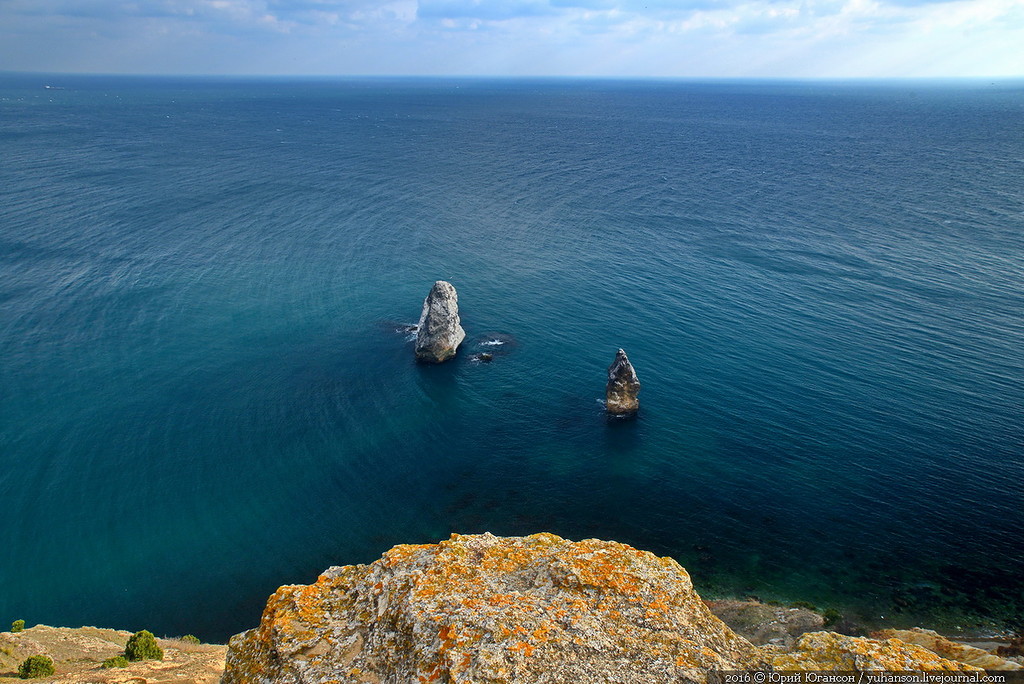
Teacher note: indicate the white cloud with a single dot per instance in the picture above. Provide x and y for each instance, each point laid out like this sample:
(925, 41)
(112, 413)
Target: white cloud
(570, 37)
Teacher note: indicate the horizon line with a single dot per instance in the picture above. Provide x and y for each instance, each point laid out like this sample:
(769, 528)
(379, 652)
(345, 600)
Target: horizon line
(511, 77)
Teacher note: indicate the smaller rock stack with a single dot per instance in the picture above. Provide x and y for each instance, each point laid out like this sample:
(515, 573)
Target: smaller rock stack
(623, 387)
(439, 332)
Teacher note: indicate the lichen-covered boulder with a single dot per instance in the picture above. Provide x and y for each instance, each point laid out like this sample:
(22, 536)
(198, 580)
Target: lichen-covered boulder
(623, 387)
(439, 332)
(948, 648)
(831, 651)
(491, 610)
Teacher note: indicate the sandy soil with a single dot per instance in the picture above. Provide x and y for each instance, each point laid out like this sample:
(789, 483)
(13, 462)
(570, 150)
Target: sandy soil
(77, 654)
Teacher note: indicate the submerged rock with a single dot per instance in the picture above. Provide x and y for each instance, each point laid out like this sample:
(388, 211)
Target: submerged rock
(623, 387)
(765, 624)
(480, 608)
(439, 332)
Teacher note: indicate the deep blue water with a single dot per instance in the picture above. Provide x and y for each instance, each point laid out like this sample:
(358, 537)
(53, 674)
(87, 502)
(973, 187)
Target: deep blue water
(205, 395)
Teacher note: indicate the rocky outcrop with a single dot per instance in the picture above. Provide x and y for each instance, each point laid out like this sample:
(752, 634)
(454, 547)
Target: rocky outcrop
(78, 653)
(761, 623)
(439, 332)
(622, 388)
(484, 609)
(831, 651)
(1013, 649)
(527, 610)
(947, 648)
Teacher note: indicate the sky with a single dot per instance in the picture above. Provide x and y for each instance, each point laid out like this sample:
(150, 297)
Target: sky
(601, 38)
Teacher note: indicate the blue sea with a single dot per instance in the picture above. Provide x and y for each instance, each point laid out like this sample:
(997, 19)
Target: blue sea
(207, 384)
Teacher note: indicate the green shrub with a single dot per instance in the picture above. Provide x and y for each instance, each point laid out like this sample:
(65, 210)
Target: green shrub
(806, 605)
(832, 616)
(142, 646)
(191, 639)
(36, 666)
(17, 625)
(116, 661)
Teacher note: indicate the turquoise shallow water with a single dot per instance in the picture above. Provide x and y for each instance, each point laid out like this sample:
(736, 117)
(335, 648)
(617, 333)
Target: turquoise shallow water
(206, 390)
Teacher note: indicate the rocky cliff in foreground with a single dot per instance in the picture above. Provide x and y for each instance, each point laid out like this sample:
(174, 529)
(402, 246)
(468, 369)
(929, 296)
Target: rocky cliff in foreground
(490, 610)
(493, 610)
(480, 608)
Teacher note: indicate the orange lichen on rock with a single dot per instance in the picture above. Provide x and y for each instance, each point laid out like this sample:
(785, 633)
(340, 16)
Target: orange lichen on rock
(831, 651)
(479, 608)
(402, 553)
(482, 609)
(949, 649)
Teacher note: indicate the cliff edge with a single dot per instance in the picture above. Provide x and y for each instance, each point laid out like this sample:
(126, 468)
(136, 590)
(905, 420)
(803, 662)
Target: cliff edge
(480, 608)
(78, 653)
(523, 610)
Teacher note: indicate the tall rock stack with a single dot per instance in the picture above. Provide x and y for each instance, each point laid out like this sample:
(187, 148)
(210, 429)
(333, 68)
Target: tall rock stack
(623, 387)
(439, 333)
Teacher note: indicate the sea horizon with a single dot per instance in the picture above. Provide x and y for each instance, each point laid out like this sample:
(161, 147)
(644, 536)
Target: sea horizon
(941, 81)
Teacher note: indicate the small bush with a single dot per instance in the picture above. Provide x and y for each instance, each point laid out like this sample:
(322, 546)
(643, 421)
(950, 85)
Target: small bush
(36, 666)
(116, 661)
(142, 646)
(17, 625)
(806, 605)
(832, 616)
(191, 639)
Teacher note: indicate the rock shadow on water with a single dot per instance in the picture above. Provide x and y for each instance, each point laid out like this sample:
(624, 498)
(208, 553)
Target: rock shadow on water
(433, 376)
(623, 434)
